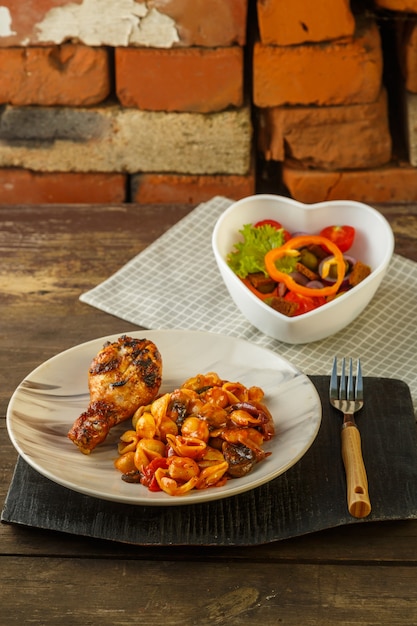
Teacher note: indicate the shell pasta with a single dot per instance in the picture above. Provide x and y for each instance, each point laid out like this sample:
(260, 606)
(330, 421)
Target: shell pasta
(200, 435)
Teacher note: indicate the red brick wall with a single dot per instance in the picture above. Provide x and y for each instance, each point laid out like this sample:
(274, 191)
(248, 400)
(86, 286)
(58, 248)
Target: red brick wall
(323, 111)
(181, 100)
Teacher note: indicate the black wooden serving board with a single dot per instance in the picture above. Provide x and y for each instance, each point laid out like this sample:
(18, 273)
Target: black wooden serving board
(309, 497)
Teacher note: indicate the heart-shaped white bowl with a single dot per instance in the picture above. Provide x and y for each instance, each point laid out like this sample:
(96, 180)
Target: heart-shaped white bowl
(373, 245)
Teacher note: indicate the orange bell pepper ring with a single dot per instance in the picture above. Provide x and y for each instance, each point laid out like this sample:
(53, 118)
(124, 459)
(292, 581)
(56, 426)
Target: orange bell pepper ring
(290, 248)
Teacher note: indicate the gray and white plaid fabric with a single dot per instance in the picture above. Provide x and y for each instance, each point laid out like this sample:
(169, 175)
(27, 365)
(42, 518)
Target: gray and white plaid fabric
(192, 296)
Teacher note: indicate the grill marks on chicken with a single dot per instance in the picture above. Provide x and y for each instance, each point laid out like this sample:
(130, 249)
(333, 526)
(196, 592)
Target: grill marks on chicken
(123, 376)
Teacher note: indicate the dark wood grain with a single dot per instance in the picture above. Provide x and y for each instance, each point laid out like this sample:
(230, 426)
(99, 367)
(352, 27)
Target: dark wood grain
(362, 574)
(403, 220)
(113, 592)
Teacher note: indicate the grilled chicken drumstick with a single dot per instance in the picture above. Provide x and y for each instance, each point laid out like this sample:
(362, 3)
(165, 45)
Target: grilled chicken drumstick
(124, 375)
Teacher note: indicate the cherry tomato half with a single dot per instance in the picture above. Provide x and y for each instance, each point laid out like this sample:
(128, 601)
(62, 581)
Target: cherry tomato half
(341, 236)
(276, 225)
(148, 479)
(272, 223)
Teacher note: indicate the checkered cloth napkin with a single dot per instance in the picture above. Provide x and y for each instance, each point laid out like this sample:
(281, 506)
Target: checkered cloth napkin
(192, 296)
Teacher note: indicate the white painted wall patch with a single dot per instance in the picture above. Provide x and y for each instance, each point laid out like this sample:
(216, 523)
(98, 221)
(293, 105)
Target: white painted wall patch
(5, 22)
(108, 22)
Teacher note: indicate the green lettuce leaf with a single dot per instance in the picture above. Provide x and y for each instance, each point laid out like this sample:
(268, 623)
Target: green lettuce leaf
(248, 255)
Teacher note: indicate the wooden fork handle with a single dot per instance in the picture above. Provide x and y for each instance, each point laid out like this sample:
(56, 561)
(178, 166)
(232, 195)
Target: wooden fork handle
(358, 501)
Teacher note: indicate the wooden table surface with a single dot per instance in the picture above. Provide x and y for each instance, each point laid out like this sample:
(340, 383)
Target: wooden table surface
(359, 574)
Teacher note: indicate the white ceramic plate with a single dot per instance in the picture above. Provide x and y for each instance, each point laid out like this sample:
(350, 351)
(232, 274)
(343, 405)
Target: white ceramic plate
(46, 403)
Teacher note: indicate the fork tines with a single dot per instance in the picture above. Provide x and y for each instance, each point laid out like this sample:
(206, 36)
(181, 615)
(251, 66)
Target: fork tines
(346, 391)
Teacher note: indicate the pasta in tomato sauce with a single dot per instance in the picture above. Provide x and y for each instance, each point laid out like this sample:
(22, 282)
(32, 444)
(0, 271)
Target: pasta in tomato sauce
(200, 435)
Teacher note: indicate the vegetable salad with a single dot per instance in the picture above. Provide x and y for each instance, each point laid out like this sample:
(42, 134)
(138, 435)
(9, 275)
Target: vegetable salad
(296, 273)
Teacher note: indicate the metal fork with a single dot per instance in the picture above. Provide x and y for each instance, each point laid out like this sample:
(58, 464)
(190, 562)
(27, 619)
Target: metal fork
(349, 400)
